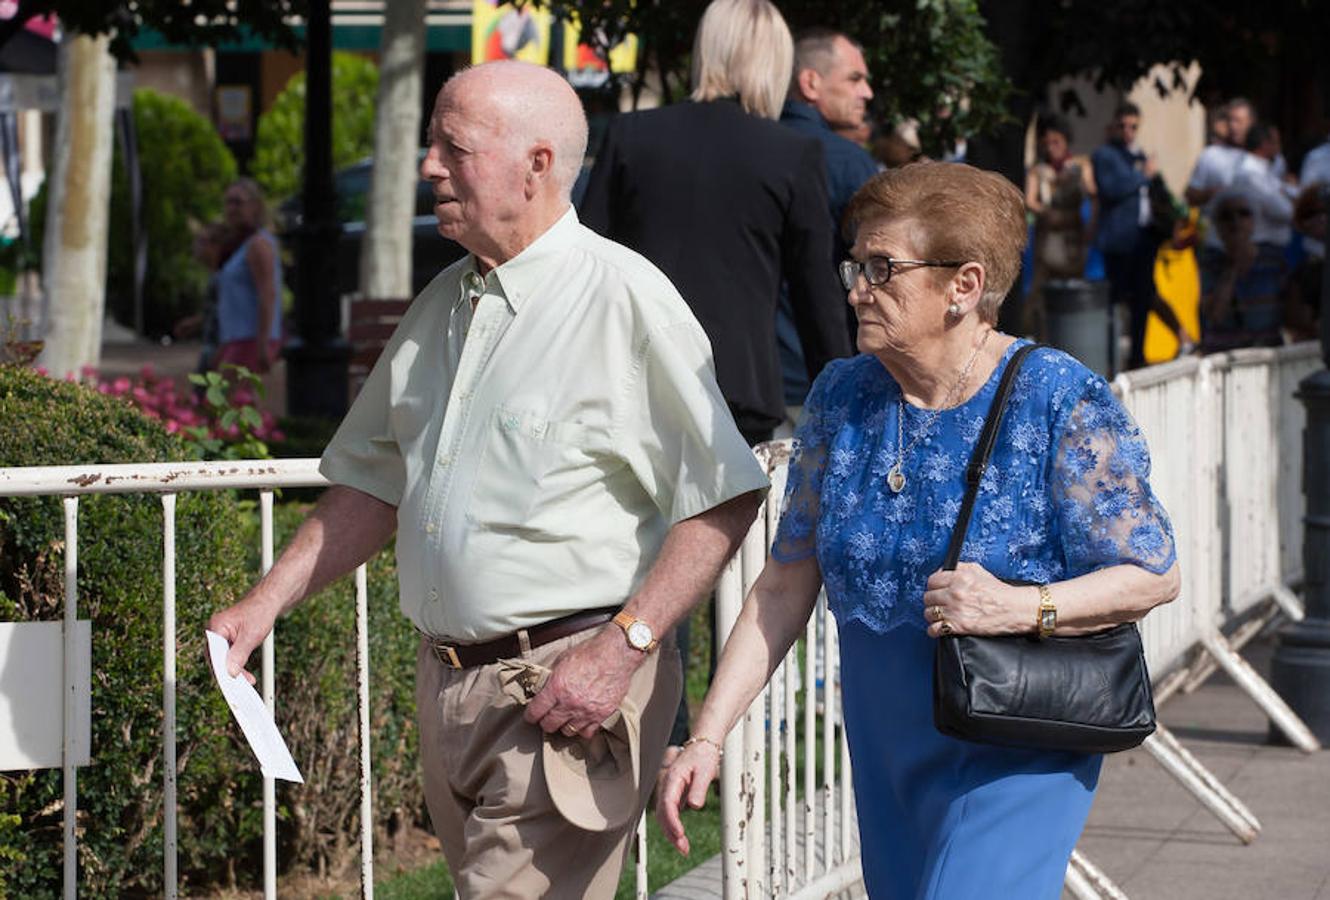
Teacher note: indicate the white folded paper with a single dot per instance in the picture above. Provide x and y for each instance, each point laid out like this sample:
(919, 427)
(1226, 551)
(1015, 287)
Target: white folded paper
(247, 706)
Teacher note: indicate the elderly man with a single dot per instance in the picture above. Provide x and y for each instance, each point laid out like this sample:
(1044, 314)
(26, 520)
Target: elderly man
(545, 435)
(829, 92)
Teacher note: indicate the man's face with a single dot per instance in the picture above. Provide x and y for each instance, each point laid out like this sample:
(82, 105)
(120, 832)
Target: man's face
(1239, 121)
(476, 171)
(1124, 129)
(843, 92)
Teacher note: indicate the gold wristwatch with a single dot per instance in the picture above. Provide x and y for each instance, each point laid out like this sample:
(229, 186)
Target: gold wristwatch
(1048, 612)
(639, 634)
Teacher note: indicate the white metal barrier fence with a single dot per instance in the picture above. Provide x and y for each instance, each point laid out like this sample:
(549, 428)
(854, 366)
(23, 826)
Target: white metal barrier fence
(1225, 439)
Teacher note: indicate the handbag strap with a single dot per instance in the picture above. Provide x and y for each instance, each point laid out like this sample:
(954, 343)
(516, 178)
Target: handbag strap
(974, 472)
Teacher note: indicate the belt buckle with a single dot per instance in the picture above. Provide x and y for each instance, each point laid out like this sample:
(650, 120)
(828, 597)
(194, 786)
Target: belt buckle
(445, 654)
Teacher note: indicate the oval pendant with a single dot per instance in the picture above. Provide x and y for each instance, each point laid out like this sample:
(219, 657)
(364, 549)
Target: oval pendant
(896, 479)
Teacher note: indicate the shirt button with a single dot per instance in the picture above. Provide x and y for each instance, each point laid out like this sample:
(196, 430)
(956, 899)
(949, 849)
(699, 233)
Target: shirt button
(429, 528)
(444, 460)
(433, 594)
(510, 422)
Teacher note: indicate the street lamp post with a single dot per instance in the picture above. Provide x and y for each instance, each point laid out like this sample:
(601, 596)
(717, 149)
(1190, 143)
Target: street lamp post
(317, 356)
(1300, 670)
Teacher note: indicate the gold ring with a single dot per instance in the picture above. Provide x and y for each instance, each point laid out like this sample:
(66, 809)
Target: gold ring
(944, 627)
(569, 731)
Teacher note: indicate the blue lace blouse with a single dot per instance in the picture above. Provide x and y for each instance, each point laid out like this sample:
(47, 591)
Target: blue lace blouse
(1066, 491)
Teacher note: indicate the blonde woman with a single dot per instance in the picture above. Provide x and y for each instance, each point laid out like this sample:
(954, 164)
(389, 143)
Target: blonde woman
(727, 201)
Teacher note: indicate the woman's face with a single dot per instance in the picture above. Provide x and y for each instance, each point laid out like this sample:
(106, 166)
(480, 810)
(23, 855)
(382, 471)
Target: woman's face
(1053, 146)
(911, 306)
(239, 208)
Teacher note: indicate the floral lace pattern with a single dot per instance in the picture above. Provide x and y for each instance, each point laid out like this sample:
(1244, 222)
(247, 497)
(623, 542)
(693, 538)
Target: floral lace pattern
(1066, 491)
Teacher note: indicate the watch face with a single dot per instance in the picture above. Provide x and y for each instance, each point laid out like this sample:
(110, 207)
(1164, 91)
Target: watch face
(1048, 619)
(639, 635)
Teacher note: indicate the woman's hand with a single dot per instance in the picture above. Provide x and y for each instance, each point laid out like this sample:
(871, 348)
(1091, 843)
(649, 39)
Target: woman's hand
(971, 600)
(688, 777)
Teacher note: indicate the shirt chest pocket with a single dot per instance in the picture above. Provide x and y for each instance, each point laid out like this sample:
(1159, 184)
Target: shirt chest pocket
(533, 472)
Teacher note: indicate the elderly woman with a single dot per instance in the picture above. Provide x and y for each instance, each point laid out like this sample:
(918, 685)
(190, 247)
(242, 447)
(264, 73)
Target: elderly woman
(874, 488)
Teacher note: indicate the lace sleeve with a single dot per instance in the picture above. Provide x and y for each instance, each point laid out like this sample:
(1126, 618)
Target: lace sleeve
(1101, 469)
(796, 536)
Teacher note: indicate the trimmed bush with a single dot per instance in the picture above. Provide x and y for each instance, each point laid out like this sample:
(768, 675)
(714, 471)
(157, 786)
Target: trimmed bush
(46, 422)
(279, 146)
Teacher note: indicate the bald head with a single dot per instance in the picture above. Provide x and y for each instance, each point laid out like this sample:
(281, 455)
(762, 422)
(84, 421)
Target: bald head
(531, 106)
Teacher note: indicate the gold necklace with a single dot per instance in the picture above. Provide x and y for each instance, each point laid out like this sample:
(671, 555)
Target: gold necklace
(895, 477)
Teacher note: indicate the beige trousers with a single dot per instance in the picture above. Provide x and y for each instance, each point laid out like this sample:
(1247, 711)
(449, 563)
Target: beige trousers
(485, 784)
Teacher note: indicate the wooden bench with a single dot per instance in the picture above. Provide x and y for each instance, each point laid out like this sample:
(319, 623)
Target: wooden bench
(372, 323)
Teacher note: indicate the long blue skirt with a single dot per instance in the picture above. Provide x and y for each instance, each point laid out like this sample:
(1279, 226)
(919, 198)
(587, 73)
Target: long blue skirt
(942, 819)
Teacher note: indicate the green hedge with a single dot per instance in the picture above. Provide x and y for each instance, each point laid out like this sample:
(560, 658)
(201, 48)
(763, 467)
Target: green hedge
(279, 145)
(46, 422)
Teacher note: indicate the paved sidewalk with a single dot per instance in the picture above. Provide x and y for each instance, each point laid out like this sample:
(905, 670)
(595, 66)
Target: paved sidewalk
(1155, 840)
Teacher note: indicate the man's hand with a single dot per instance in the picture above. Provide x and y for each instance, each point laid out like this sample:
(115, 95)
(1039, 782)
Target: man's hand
(586, 684)
(245, 625)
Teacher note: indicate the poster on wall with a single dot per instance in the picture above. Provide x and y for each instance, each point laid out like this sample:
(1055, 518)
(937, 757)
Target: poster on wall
(585, 64)
(233, 112)
(507, 31)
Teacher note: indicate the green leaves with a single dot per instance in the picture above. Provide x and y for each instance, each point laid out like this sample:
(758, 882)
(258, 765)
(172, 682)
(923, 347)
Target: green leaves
(279, 154)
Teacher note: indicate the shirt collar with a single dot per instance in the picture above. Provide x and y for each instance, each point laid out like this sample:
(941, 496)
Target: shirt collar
(520, 277)
(798, 109)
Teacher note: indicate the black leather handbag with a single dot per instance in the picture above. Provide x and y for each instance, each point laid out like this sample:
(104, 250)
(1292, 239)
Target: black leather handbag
(1089, 693)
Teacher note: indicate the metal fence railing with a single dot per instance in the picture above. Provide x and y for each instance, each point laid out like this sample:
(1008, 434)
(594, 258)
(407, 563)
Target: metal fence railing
(1224, 432)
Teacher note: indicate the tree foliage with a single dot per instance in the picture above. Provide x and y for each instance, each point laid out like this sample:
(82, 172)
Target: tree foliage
(203, 22)
(929, 59)
(279, 150)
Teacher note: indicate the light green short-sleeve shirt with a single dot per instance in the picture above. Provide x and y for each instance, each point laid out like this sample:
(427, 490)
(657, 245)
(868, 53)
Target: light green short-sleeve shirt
(539, 448)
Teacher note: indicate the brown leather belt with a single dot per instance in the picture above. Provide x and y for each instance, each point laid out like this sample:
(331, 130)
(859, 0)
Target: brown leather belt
(465, 656)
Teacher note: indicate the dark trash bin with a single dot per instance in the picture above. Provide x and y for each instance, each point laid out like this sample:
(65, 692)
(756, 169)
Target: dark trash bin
(1079, 320)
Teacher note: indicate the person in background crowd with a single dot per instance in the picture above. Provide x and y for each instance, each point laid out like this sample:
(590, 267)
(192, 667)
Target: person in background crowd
(728, 202)
(828, 98)
(213, 244)
(1217, 165)
(898, 145)
(1122, 173)
(545, 437)
(1315, 167)
(1257, 177)
(1241, 293)
(1057, 188)
(249, 284)
(1306, 282)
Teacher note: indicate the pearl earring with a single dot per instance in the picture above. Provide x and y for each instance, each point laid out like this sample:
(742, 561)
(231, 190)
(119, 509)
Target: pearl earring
(954, 309)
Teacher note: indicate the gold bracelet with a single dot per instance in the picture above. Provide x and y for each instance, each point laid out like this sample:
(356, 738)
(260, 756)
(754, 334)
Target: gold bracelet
(699, 739)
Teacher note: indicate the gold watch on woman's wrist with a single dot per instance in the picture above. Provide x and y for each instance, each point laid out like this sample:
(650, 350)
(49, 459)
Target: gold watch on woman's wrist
(1047, 621)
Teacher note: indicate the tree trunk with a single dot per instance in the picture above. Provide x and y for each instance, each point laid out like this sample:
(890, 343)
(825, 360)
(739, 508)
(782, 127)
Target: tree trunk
(385, 253)
(78, 217)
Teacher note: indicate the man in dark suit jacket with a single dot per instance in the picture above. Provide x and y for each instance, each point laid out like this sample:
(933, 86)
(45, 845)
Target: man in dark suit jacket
(1122, 174)
(727, 203)
(829, 90)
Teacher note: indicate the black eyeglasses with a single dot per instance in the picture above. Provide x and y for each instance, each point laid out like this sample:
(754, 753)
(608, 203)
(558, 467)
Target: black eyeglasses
(879, 269)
